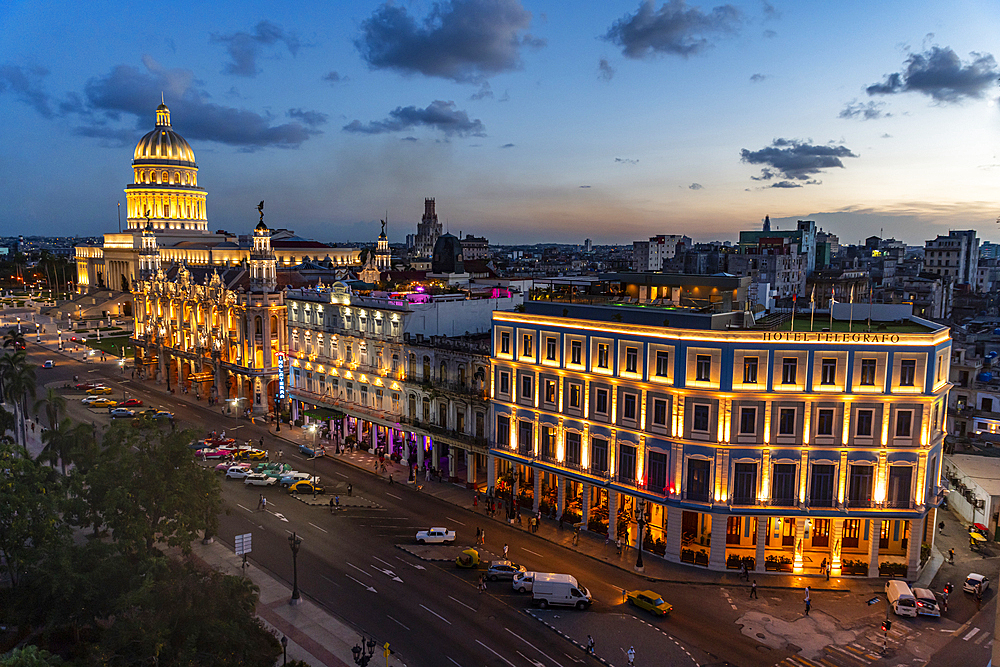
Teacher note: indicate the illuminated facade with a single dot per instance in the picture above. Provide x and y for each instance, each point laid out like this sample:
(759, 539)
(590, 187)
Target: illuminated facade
(776, 449)
(164, 197)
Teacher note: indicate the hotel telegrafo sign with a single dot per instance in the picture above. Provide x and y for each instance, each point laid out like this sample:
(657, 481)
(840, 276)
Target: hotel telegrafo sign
(827, 337)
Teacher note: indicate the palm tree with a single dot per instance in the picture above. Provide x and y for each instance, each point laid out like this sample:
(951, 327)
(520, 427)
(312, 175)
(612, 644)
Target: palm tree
(14, 338)
(53, 404)
(64, 441)
(19, 382)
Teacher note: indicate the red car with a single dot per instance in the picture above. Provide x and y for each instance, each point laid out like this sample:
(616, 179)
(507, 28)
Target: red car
(212, 453)
(76, 339)
(91, 384)
(131, 403)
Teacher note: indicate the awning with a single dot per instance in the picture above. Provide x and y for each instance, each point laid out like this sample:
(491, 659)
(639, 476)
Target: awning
(323, 414)
(979, 526)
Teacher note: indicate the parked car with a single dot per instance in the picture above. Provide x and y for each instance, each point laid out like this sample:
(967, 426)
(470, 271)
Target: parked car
(163, 414)
(306, 486)
(273, 467)
(970, 583)
(119, 413)
(251, 455)
(89, 384)
(76, 339)
(503, 569)
(102, 402)
(48, 364)
(292, 476)
(99, 391)
(226, 465)
(650, 601)
(259, 479)
(927, 603)
(559, 589)
(523, 581)
(901, 598)
(89, 400)
(213, 453)
(238, 472)
(435, 536)
(131, 403)
(306, 450)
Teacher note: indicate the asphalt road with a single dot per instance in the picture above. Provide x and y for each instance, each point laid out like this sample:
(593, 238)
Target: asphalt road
(432, 616)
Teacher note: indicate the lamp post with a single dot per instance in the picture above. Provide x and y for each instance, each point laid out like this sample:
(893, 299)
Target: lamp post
(59, 331)
(284, 650)
(277, 413)
(19, 325)
(294, 541)
(363, 653)
(642, 524)
(38, 333)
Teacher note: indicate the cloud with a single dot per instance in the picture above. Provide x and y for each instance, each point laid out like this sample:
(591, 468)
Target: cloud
(886, 136)
(795, 160)
(696, 186)
(864, 111)
(438, 115)
(409, 139)
(625, 160)
(605, 70)
(507, 146)
(584, 187)
(674, 29)
(769, 34)
(333, 77)
(244, 48)
(26, 83)
(461, 40)
(129, 92)
(941, 74)
(769, 11)
(484, 92)
(757, 78)
(310, 118)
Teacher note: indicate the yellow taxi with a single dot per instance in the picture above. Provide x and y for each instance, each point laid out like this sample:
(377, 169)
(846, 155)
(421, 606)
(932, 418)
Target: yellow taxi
(251, 455)
(99, 391)
(103, 403)
(650, 601)
(305, 486)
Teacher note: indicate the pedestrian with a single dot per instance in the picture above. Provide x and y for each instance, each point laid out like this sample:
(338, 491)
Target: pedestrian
(744, 573)
(944, 598)
(264, 501)
(475, 501)
(631, 656)
(576, 536)
(618, 545)
(331, 505)
(590, 645)
(260, 502)
(951, 556)
(829, 566)
(505, 549)
(753, 590)
(808, 601)
(483, 536)
(336, 499)
(280, 452)
(479, 532)
(390, 479)
(979, 596)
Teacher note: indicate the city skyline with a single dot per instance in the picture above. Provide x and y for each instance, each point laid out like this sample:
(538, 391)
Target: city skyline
(527, 121)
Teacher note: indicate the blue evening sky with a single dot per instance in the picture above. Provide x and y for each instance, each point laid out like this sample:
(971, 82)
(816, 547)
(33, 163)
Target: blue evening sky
(528, 120)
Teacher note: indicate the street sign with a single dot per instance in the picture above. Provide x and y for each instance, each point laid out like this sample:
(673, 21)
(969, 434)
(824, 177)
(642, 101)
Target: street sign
(385, 650)
(243, 544)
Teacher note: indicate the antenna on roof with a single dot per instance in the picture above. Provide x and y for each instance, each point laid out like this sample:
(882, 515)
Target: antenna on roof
(161, 99)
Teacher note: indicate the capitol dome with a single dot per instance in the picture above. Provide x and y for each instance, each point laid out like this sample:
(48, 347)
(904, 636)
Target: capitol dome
(447, 257)
(163, 143)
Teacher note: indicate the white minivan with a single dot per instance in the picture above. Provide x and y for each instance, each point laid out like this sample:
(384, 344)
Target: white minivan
(559, 589)
(901, 598)
(523, 581)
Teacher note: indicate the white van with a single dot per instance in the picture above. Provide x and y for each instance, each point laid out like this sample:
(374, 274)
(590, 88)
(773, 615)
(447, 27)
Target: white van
(523, 582)
(901, 598)
(559, 589)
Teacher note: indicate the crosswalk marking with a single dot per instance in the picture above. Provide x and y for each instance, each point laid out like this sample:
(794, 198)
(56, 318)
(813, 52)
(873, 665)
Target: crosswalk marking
(972, 633)
(981, 638)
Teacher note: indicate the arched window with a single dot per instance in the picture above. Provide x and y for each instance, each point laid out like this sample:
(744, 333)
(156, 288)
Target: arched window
(260, 326)
(461, 375)
(274, 326)
(164, 177)
(427, 369)
(443, 376)
(177, 178)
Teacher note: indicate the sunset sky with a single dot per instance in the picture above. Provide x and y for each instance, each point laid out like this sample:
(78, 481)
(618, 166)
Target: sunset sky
(528, 120)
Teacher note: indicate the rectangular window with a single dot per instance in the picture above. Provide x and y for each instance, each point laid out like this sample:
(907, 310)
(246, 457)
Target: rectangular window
(629, 403)
(504, 382)
(527, 384)
(824, 422)
(550, 391)
(504, 342)
(699, 480)
(786, 421)
(899, 486)
(748, 421)
(860, 490)
(550, 348)
(548, 442)
(864, 425)
(783, 489)
(576, 352)
(662, 364)
(821, 486)
(626, 463)
(656, 473)
(789, 366)
(573, 448)
(868, 372)
(699, 422)
(525, 437)
(599, 455)
(602, 355)
(750, 370)
(526, 345)
(745, 483)
(660, 412)
(703, 368)
(852, 533)
(986, 404)
(828, 372)
(821, 533)
(907, 372)
(575, 392)
(903, 421)
(631, 359)
(503, 431)
(601, 401)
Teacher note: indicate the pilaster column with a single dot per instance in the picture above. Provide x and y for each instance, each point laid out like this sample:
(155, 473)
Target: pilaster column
(761, 542)
(536, 500)
(800, 538)
(421, 444)
(491, 471)
(560, 496)
(613, 515)
(717, 552)
(585, 505)
(913, 550)
(452, 464)
(470, 469)
(875, 530)
(836, 542)
(435, 455)
(673, 548)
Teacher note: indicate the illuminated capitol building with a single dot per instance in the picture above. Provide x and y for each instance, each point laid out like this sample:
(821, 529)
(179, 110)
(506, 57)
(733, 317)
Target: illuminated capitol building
(164, 196)
(785, 447)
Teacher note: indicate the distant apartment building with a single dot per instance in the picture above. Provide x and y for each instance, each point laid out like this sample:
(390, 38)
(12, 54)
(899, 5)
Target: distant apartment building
(989, 250)
(774, 260)
(803, 237)
(650, 255)
(475, 247)
(955, 256)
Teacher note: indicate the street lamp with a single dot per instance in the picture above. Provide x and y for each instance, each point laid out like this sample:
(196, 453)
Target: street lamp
(284, 650)
(59, 331)
(294, 541)
(642, 525)
(361, 656)
(38, 333)
(19, 325)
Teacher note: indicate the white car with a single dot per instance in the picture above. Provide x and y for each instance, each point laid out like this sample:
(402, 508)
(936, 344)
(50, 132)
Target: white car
(435, 536)
(238, 472)
(87, 400)
(259, 479)
(48, 364)
(292, 476)
(970, 583)
(117, 413)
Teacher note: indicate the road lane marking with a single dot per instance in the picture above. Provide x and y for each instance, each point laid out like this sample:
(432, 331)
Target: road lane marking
(495, 653)
(972, 633)
(372, 589)
(981, 638)
(245, 508)
(330, 580)
(393, 495)
(340, 474)
(455, 520)
(532, 552)
(392, 619)
(453, 662)
(318, 528)
(462, 603)
(367, 574)
(439, 616)
(383, 561)
(532, 646)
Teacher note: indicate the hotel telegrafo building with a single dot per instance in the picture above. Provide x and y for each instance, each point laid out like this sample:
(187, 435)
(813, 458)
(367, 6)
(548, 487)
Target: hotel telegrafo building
(782, 447)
